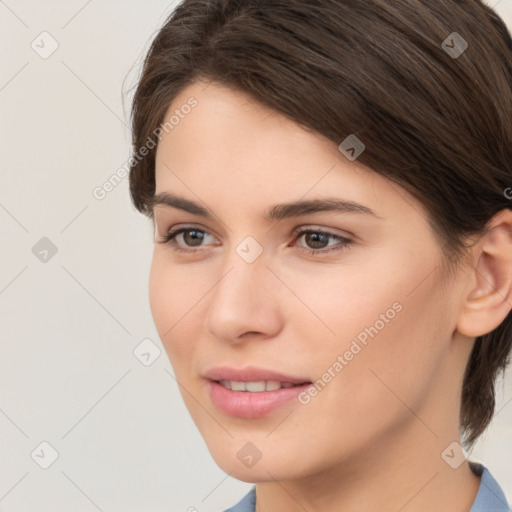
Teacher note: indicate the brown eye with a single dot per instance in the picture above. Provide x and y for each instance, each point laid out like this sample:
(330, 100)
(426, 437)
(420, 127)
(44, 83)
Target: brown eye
(185, 239)
(316, 240)
(193, 237)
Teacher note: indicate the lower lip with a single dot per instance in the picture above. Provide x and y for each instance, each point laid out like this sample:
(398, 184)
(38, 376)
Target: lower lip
(250, 405)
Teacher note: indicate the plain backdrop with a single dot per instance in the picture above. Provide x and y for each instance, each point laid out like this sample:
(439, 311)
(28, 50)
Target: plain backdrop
(110, 428)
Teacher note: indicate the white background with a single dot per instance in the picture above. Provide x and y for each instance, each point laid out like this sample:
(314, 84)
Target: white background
(69, 326)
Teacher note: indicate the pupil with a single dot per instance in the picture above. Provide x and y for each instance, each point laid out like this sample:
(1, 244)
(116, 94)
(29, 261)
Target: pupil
(316, 238)
(193, 236)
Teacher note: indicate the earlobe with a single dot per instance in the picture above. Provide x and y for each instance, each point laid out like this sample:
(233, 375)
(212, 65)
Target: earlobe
(489, 299)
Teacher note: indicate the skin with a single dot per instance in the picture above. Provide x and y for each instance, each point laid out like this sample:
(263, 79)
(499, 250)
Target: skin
(372, 439)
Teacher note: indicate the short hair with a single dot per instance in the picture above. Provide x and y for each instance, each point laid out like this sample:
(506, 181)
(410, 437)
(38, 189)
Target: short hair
(425, 85)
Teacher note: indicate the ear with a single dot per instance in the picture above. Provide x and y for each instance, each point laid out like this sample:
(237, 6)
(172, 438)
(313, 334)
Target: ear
(488, 298)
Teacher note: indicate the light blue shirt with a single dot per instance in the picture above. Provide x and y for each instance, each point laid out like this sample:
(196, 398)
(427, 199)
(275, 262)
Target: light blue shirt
(490, 496)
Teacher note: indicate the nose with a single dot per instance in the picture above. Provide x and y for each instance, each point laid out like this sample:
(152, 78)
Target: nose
(244, 303)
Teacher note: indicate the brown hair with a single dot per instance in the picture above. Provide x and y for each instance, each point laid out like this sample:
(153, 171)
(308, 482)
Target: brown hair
(436, 123)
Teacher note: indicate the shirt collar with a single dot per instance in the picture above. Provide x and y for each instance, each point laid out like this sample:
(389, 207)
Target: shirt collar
(490, 496)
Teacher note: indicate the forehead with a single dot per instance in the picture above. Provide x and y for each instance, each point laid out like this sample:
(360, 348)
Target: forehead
(229, 123)
(231, 149)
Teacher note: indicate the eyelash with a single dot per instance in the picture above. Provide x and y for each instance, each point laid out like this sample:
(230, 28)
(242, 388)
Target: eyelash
(170, 239)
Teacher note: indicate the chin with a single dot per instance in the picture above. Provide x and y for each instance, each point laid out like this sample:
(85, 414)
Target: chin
(260, 472)
(243, 461)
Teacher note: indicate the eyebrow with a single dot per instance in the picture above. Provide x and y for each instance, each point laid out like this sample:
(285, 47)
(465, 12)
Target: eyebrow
(276, 212)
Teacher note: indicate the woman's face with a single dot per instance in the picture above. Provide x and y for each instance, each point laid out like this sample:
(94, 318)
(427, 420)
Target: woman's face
(240, 296)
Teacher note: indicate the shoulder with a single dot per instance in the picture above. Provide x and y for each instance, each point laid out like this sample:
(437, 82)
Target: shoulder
(490, 496)
(246, 504)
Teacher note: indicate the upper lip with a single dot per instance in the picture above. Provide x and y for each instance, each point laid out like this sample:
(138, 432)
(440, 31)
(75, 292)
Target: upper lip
(251, 374)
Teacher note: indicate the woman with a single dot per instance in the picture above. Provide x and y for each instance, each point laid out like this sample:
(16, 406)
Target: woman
(332, 271)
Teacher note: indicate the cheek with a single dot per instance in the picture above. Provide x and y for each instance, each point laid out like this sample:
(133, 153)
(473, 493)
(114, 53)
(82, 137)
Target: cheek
(340, 302)
(388, 323)
(161, 301)
(173, 300)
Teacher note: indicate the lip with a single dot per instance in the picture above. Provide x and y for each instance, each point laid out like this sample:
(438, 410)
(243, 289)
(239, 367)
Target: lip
(251, 374)
(251, 405)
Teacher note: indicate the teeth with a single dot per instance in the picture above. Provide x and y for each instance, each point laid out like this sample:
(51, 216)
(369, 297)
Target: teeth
(272, 385)
(225, 383)
(237, 386)
(255, 387)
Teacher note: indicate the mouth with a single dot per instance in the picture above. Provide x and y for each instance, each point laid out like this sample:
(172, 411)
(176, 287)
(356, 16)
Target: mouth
(252, 392)
(256, 386)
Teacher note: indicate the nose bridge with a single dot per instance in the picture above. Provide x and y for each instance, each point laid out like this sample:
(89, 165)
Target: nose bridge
(240, 301)
(244, 266)
(242, 281)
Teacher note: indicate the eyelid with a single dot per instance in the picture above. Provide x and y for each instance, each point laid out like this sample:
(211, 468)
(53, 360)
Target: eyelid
(344, 242)
(169, 239)
(325, 230)
(184, 226)
(296, 232)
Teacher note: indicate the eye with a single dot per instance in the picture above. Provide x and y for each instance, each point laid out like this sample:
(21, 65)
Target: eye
(188, 239)
(317, 241)
(181, 238)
